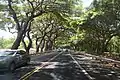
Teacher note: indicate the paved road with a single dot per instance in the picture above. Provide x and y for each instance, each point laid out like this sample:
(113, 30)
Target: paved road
(64, 66)
(19, 72)
(99, 69)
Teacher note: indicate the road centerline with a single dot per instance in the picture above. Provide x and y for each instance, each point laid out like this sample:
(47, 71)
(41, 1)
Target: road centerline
(27, 75)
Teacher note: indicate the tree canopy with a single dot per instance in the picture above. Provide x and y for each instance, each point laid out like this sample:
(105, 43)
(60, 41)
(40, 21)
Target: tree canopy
(52, 23)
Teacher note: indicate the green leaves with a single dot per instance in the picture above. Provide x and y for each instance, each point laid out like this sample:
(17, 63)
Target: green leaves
(101, 24)
(6, 43)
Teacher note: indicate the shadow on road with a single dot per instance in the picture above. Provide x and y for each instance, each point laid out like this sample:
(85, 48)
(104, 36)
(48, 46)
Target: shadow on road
(61, 68)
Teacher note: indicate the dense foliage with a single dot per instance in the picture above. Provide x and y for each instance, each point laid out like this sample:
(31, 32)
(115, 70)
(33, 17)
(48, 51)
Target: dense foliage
(49, 24)
(102, 26)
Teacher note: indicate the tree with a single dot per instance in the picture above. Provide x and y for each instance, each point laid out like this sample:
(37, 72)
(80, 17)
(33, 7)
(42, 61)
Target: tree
(114, 44)
(6, 43)
(23, 12)
(45, 30)
(103, 25)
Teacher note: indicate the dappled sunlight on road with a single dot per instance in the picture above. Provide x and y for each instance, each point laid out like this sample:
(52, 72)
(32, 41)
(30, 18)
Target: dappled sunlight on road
(61, 68)
(66, 66)
(98, 69)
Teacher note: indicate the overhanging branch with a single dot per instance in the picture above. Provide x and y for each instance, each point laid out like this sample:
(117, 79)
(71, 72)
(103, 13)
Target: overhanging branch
(13, 14)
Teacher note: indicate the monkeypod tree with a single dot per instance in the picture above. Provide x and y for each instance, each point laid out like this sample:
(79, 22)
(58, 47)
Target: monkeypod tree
(102, 24)
(45, 29)
(20, 14)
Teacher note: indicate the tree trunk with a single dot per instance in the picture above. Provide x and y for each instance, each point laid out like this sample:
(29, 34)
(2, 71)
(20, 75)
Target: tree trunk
(30, 41)
(38, 44)
(43, 44)
(37, 48)
(50, 45)
(106, 42)
(27, 34)
(16, 44)
(46, 45)
(21, 32)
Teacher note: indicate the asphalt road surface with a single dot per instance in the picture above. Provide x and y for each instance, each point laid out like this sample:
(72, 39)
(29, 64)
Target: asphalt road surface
(21, 71)
(64, 66)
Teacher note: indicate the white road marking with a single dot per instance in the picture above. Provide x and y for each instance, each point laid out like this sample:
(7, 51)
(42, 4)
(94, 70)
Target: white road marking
(83, 70)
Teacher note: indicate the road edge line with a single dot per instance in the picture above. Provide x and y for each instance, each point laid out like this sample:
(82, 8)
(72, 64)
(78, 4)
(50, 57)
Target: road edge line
(83, 70)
